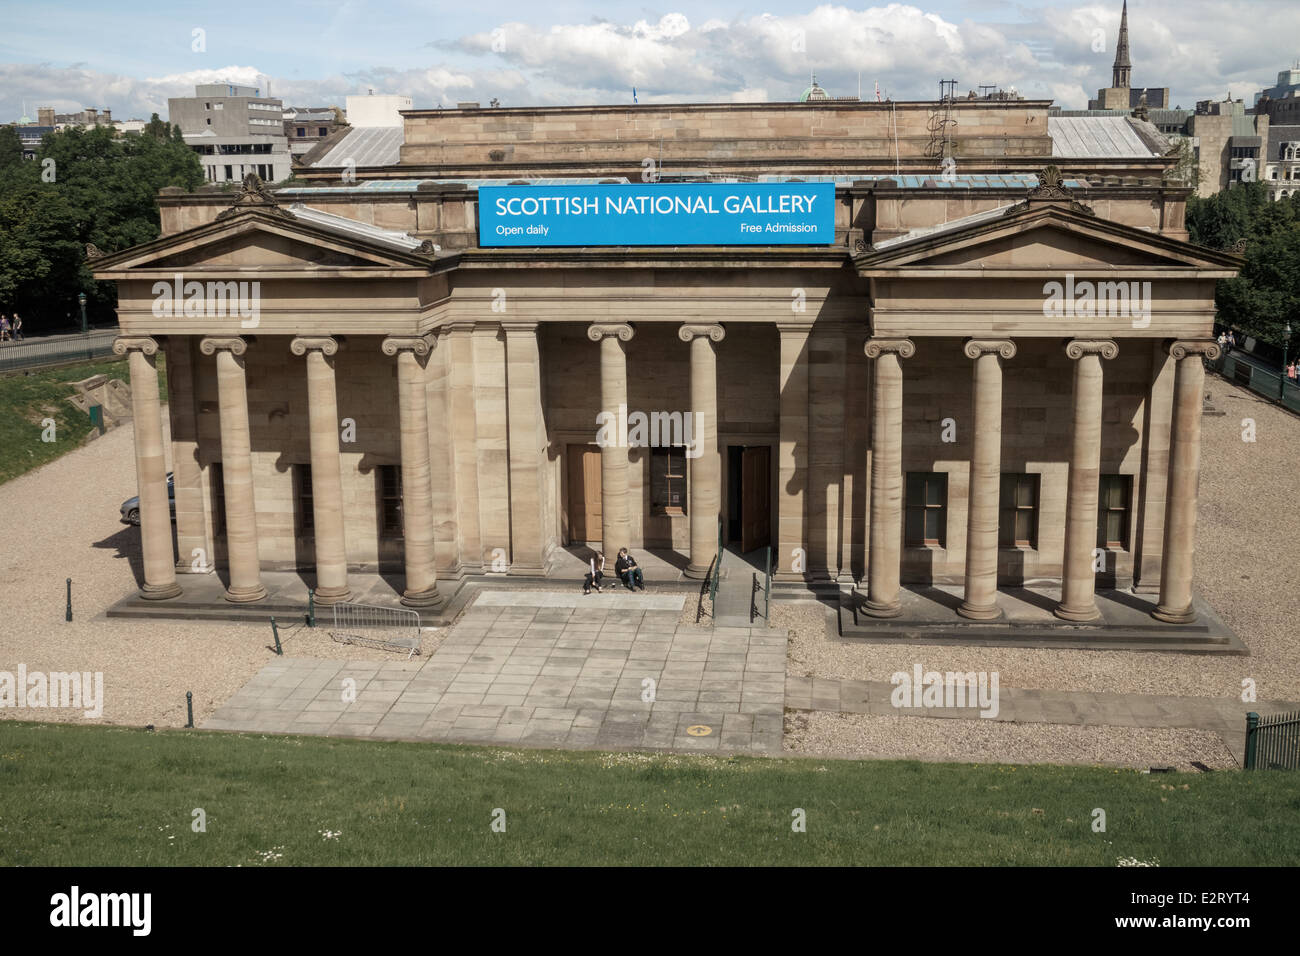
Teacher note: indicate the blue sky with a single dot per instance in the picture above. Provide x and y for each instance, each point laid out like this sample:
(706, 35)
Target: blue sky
(130, 56)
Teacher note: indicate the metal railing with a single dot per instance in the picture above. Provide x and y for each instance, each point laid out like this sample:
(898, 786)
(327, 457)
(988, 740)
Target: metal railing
(717, 567)
(765, 589)
(31, 354)
(1236, 367)
(1273, 743)
(389, 628)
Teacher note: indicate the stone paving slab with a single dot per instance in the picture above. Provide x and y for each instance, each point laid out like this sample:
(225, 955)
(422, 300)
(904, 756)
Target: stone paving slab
(547, 670)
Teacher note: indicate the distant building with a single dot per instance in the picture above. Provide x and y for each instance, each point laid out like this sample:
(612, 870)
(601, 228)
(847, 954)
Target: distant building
(1280, 164)
(305, 127)
(1121, 95)
(235, 130)
(1229, 144)
(376, 109)
(1288, 84)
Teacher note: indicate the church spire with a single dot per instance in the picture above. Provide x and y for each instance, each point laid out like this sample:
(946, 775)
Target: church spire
(1123, 69)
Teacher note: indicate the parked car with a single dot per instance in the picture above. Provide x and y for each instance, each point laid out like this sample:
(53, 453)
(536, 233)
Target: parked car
(131, 507)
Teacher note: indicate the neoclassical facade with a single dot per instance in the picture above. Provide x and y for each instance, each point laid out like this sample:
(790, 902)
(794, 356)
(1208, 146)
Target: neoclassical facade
(915, 403)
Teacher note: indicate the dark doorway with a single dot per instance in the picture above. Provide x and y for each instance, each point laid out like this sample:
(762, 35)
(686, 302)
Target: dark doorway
(749, 496)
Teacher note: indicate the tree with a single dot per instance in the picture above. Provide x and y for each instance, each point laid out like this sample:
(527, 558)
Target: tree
(1266, 296)
(86, 186)
(11, 147)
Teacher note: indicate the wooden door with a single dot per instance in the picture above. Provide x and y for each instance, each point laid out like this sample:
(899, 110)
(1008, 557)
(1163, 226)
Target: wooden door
(755, 498)
(584, 493)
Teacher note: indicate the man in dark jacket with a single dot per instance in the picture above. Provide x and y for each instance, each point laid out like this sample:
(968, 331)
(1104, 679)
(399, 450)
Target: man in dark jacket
(628, 572)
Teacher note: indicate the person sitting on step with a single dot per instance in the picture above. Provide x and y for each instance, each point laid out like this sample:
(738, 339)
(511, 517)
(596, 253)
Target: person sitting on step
(628, 572)
(595, 571)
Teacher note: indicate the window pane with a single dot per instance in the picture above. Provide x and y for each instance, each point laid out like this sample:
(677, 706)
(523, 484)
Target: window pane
(915, 487)
(1114, 528)
(935, 489)
(1025, 491)
(1008, 491)
(932, 525)
(915, 526)
(1025, 527)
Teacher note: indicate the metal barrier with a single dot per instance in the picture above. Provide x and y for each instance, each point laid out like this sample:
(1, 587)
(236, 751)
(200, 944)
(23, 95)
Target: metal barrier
(717, 567)
(389, 628)
(69, 349)
(1273, 743)
(766, 589)
(1236, 367)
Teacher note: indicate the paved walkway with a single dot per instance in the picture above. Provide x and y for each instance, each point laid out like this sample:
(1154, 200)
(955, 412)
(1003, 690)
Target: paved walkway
(1224, 716)
(548, 669)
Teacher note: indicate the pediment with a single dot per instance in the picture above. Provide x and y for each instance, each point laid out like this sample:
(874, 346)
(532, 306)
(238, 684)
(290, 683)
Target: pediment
(259, 242)
(1029, 239)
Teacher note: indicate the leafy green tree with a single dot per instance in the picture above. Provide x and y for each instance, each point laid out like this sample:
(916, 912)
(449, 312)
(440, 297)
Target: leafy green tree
(1266, 296)
(86, 186)
(11, 147)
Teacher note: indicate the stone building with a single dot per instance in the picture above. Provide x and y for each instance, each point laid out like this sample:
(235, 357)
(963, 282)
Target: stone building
(929, 393)
(1121, 94)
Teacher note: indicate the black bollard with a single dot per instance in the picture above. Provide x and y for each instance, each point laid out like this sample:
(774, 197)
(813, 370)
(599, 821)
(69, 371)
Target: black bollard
(68, 614)
(189, 708)
(275, 633)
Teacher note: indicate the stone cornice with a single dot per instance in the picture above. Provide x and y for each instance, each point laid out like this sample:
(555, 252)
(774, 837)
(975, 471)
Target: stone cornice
(713, 332)
(1077, 348)
(903, 348)
(1182, 348)
(223, 343)
(974, 348)
(318, 343)
(600, 330)
(519, 326)
(419, 344)
(135, 343)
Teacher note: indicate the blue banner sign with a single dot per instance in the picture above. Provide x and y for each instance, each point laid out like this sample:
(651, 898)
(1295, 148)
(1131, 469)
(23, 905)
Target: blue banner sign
(658, 214)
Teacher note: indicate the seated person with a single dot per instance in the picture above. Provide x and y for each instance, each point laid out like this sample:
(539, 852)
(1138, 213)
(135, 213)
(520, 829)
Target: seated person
(628, 572)
(595, 571)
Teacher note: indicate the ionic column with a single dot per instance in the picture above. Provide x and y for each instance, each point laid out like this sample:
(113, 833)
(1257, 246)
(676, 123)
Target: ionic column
(984, 496)
(886, 476)
(1175, 605)
(237, 469)
(1078, 580)
(150, 469)
(615, 518)
(326, 469)
(417, 481)
(792, 455)
(706, 470)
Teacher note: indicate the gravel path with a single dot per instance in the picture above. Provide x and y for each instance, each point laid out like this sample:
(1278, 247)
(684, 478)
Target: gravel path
(62, 521)
(1248, 553)
(989, 741)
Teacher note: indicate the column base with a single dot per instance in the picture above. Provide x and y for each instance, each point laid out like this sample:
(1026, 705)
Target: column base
(246, 595)
(881, 608)
(696, 573)
(333, 595)
(1169, 616)
(430, 598)
(979, 612)
(160, 592)
(1078, 614)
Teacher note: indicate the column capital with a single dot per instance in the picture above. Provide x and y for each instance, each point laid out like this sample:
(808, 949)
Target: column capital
(303, 344)
(904, 348)
(223, 343)
(690, 331)
(599, 331)
(1182, 348)
(135, 343)
(1076, 349)
(419, 344)
(519, 327)
(974, 348)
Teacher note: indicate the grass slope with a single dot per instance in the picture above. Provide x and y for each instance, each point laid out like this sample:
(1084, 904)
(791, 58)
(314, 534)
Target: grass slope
(26, 399)
(93, 796)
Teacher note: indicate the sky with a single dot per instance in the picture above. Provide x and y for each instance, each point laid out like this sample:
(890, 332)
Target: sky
(130, 56)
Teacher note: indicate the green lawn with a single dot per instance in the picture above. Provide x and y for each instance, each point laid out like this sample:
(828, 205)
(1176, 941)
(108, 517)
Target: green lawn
(26, 399)
(93, 796)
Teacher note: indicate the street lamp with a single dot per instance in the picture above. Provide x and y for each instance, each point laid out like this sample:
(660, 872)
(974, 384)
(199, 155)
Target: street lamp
(82, 299)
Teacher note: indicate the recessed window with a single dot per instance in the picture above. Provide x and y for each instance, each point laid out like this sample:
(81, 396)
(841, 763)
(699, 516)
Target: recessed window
(668, 480)
(302, 131)
(1114, 504)
(305, 507)
(1018, 517)
(321, 130)
(218, 499)
(390, 500)
(927, 509)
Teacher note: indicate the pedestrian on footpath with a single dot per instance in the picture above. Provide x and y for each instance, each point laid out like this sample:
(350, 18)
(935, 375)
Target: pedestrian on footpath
(18, 327)
(4, 328)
